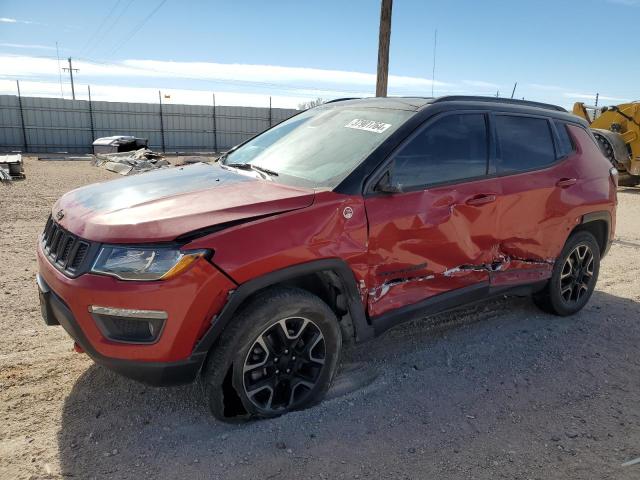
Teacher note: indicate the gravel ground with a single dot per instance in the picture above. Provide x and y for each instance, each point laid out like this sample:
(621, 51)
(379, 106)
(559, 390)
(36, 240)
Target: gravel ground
(498, 390)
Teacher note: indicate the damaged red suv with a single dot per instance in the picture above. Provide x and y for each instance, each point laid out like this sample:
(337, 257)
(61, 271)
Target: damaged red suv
(333, 226)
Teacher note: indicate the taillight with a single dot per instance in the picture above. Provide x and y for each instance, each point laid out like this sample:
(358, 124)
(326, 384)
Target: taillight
(613, 173)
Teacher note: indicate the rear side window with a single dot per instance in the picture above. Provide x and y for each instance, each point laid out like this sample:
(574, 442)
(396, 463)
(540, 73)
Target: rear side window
(525, 143)
(565, 145)
(452, 148)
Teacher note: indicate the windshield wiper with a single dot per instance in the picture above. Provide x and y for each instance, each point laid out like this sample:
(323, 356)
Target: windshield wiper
(264, 170)
(249, 166)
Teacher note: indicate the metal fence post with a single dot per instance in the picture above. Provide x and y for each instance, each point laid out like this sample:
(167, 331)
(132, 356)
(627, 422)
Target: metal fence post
(93, 133)
(215, 127)
(24, 131)
(161, 121)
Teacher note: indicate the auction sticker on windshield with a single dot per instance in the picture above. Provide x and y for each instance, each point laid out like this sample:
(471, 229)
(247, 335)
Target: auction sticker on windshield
(368, 125)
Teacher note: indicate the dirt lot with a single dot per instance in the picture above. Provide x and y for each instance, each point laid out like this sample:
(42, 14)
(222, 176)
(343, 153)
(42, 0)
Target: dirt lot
(498, 390)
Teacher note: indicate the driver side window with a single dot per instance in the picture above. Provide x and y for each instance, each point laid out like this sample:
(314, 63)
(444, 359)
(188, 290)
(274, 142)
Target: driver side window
(454, 147)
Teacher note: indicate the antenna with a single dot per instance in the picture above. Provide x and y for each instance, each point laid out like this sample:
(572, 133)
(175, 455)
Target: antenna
(433, 71)
(59, 71)
(514, 89)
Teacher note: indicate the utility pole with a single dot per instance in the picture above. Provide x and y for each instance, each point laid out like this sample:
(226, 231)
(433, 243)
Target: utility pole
(71, 69)
(597, 98)
(383, 48)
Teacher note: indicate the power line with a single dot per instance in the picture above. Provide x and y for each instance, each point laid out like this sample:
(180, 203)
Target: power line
(137, 28)
(433, 72)
(113, 25)
(59, 70)
(86, 48)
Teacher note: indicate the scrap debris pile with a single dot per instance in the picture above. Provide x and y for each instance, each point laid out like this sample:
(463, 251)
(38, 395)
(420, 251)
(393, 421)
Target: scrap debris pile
(129, 163)
(11, 168)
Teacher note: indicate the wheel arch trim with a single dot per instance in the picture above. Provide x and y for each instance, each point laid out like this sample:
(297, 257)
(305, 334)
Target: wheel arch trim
(237, 297)
(600, 216)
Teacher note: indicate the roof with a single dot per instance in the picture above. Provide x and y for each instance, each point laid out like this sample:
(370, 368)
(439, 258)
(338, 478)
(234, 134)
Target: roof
(416, 103)
(392, 103)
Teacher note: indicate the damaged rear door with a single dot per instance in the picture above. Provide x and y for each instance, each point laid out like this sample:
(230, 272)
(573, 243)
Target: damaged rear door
(537, 196)
(439, 232)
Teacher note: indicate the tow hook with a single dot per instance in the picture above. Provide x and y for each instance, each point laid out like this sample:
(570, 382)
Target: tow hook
(77, 348)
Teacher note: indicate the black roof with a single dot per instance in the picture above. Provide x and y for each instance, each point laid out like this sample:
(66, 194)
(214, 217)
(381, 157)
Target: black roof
(420, 103)
(392, 103)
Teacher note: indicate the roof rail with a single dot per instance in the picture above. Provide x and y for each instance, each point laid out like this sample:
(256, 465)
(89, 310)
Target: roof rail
(510, 101)
(341, 100)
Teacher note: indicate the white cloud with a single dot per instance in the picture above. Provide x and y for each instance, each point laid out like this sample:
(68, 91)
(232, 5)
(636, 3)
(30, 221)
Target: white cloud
(119, 93)
(592, 96)
(26, 45)
(481, 84)
(539, 86)
(242, 84)
(8, 20)
(265, 77)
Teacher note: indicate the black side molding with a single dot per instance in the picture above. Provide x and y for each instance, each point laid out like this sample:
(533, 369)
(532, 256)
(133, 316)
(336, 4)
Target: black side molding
(451, 300)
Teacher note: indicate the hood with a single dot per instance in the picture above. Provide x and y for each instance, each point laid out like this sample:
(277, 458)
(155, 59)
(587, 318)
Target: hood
(163, 204)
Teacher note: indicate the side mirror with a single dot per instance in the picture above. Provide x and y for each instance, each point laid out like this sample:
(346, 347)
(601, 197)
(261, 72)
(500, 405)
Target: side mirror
(385, 185)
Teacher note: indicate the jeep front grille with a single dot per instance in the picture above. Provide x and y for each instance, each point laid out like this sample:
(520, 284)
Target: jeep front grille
(66, 251)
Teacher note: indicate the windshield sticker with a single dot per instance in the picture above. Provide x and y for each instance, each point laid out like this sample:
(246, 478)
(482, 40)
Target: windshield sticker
(368, 125)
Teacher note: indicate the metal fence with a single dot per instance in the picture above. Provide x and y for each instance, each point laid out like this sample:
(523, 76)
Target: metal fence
(51, 125)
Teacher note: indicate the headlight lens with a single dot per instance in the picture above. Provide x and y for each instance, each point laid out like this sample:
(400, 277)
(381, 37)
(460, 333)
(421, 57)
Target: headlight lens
(134, 263)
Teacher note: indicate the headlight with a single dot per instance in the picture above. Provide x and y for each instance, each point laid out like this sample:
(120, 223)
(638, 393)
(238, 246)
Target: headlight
(137, 263)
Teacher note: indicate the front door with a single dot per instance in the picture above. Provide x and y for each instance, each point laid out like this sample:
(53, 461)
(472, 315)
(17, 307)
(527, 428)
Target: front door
(439, 233)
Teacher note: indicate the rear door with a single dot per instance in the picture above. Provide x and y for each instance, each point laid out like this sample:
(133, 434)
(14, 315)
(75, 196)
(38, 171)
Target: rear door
(436, 235)
(537, 176)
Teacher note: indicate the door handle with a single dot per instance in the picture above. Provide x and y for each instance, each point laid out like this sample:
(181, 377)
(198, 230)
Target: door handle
(566, 182)
(481, 199)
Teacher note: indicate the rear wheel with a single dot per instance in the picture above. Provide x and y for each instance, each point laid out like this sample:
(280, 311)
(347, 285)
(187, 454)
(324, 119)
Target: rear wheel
(279, 355)
(574, 276)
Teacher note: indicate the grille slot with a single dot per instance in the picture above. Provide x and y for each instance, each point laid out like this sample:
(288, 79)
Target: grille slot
(65, 250)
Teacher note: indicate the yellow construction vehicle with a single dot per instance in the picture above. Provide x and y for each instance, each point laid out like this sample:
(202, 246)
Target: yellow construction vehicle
(617, 130)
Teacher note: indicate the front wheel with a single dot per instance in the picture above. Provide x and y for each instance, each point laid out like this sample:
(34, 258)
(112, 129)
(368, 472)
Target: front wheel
(574, 276)
(280, 354)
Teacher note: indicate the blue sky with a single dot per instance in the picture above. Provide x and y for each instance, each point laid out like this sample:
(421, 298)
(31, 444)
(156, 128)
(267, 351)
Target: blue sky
(296, 50)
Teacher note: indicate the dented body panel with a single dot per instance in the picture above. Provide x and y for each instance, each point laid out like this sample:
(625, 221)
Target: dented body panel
(426, 242)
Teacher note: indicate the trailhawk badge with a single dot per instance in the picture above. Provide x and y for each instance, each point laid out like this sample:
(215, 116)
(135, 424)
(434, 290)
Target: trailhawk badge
(60, 215)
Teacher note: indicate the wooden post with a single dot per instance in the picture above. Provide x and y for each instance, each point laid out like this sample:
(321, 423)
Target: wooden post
(383, 48)
(215, 129)
(24, 131)
(161, 121)
(93, 132)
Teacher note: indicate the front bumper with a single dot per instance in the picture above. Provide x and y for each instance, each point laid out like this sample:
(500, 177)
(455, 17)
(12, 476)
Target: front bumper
(191, 300)
(56, 312)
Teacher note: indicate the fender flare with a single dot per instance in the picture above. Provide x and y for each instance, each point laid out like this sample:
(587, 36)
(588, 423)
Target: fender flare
(363, 331)
(604, 216)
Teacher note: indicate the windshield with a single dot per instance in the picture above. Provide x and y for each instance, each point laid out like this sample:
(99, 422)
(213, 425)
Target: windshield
(319, 147)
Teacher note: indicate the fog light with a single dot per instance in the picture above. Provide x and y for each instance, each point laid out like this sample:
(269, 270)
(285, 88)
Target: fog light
(129, 325)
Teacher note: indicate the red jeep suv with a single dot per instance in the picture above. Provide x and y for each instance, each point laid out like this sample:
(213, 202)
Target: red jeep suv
(335, 225)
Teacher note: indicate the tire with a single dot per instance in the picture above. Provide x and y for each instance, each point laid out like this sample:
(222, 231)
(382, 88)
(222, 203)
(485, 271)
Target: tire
(570, 272)
(626, 180)
(279, 354)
